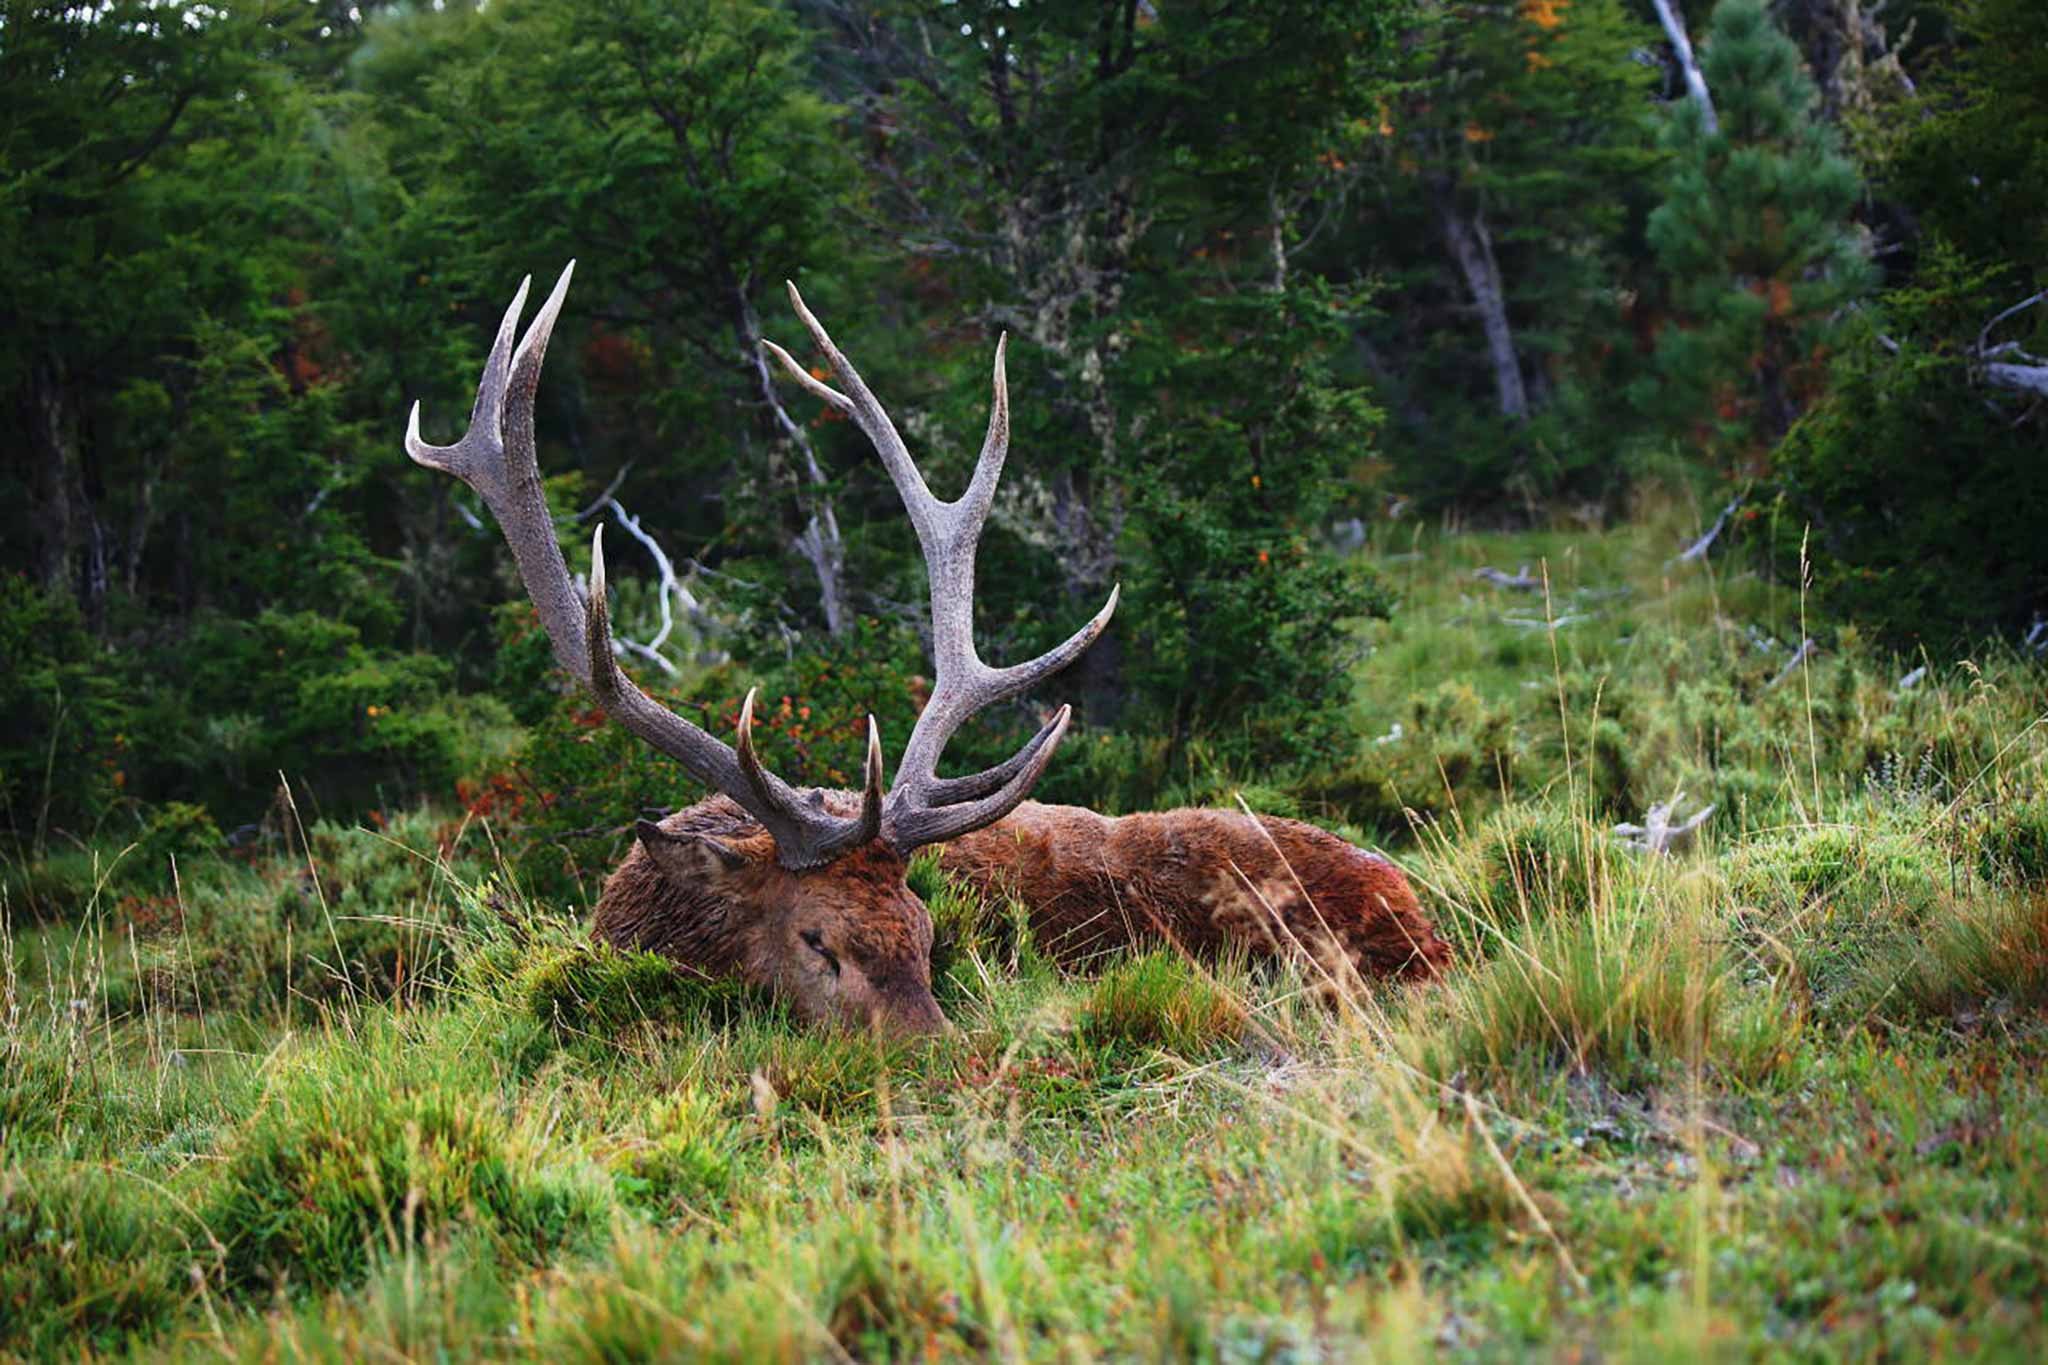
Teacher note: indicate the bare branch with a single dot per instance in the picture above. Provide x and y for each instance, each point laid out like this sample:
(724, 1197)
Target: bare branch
(1662, 831)
(1695, 79)
(1698, 549)
(1807, 649)
(1518, 581)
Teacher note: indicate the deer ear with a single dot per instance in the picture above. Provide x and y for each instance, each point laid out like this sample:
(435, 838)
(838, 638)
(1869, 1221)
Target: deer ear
(688, 857)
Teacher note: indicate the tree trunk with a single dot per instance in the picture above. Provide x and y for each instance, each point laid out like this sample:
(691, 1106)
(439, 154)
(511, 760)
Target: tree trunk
(1472, 248)
(53, 439)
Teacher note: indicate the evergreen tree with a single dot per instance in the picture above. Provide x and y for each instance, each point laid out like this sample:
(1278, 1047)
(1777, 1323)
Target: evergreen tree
(1756, 239)
(1502, 192)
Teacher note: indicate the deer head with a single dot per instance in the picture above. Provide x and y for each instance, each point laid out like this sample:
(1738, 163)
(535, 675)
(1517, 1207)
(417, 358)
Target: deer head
(799, 891)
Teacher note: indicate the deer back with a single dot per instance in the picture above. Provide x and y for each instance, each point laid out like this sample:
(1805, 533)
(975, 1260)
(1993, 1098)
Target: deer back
(1210, 881)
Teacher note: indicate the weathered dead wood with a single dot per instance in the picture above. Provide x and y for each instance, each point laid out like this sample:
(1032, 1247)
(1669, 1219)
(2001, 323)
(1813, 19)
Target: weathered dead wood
(1662, 830)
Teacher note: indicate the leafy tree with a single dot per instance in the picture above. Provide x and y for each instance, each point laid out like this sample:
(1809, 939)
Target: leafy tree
(1920, 471)
(678, 153)
(1922, 493)
(1503, 188)
(1974, 154)
(1755, 237)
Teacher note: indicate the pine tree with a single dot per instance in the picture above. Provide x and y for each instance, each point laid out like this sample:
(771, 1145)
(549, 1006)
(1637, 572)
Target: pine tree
(1755, 237)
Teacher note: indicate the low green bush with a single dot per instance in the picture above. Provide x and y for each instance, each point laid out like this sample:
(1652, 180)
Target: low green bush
(1844, 905)
(1159, 999)
(89, 1258)
(357, 1153)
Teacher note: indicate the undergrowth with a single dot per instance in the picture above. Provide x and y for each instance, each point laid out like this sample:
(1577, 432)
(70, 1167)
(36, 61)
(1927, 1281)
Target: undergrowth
(352, 1094)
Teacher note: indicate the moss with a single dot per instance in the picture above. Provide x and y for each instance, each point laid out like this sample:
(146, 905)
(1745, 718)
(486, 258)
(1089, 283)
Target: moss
(2012, 841)
(1843, 906)
(593, 989)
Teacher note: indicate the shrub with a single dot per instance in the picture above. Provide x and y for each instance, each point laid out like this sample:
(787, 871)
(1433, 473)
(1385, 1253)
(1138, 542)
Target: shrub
(356, 727)
(87, 1258)
(63, 715)
(1159, 999)
(1919, 492)
(177, 832)
(356, 1153)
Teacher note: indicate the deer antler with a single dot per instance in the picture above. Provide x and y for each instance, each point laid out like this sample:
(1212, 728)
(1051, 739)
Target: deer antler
(922, 807)
(496, 458)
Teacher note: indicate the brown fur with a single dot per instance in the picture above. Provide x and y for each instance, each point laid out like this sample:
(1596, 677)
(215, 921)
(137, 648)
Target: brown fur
(704, 889)
(1210, 881)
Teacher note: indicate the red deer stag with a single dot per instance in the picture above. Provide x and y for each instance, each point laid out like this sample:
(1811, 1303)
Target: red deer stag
(803, 892)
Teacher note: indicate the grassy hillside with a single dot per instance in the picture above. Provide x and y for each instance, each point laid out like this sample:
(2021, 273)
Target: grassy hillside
(1779, 1093)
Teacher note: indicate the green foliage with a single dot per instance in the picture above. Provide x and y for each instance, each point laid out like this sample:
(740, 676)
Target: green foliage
(1847, 909)
(1915, 487)
(585, 988)
(1972, 155)
(2012, 842)
(1754, 234)
(1527, 864)
(356, 1154)
(1242, 621)
(87, 1259)
(1523, 127)
(1160, 999)
(691, 1157)
(61, 716)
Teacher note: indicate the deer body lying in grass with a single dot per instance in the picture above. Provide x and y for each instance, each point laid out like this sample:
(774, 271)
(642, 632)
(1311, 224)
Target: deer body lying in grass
(804, 892)
(1207, 881)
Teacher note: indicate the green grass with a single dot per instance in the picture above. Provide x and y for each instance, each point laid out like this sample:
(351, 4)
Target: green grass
(1780, 1095)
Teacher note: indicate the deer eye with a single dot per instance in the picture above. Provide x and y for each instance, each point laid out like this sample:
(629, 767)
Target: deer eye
(815, 941)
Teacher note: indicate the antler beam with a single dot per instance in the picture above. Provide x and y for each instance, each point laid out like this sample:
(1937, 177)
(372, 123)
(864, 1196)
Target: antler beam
(922, 807)
(497, 458)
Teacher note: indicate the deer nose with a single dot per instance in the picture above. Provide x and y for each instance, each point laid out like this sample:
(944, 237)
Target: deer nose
(906, 1019)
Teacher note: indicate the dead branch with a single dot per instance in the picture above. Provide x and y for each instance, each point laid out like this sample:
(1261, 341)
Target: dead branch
(1570, 618)
(672, 592)
(1518, 581)
(1681, 46)
(1662, 831)
(1698, 549)
(1807, 649)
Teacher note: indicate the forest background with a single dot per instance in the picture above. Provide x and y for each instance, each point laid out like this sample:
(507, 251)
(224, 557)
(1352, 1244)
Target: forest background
(1278, 279)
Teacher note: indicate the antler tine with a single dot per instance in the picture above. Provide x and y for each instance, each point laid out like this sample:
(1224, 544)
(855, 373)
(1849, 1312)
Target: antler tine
(947, 791)
(859, 402)
(923, 807)
(913, 826)
(497, 458)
